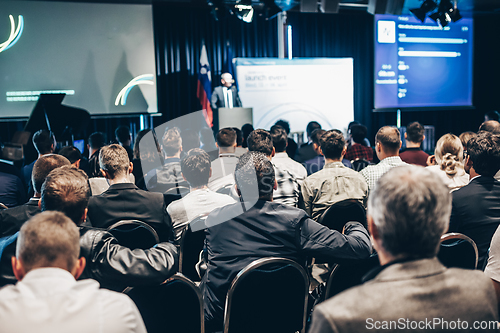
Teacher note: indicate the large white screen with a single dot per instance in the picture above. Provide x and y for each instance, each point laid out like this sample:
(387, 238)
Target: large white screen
(297, 90)
(89, 48)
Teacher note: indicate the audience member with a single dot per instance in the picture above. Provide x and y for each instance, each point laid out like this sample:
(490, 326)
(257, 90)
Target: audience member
(357, 149)
(47, 297)
(492, 269)
(208, 143)
(475, 210)
(317, 162)
(365, 142)
(147, 157)
(291, 147)
(334, 182)
(413, 154)
(408, 211)
(72, 154)
(492, 115)
(239, 142)
(387, 145)
(492, 126)
(12, 190)
(96, 142)
(45, 143)
(266, 229)
(114, 266)
(223, 167)
(190, 140)
(306, 151)
(200, 201)
(245, 132)
(464, 138)
(124, 138)
(123, 200)
(449, 166)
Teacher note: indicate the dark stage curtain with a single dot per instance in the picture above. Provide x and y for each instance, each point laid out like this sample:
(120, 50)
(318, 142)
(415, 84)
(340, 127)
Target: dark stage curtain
(179, 35)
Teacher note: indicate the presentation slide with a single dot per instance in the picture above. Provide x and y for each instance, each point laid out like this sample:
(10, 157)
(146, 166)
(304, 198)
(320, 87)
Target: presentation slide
(100, 55)
(421, 64)
(297, 90)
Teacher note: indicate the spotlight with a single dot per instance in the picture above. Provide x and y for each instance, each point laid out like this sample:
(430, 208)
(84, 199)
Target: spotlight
(244, 11)
(426, 7)
(446, 13)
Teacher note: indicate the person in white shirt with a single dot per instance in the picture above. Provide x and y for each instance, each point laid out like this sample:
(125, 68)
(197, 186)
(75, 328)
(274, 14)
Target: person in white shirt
(223, 167)
(48, 298)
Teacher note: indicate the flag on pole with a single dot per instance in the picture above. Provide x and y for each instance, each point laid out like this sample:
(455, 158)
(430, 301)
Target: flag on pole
(228, 66)
(204, 91)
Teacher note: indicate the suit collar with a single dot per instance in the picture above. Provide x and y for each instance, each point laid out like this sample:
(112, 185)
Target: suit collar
(408, 270)
(122, 186)
(33, 201)
(482, 179)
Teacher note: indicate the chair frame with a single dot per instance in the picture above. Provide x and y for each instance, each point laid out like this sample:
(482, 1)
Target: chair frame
(456, 235)
(340, 203)
(254, 265)
(181, 245)
(138, 223)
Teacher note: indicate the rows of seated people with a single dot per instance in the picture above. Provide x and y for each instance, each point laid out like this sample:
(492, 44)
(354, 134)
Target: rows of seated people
(257, 195)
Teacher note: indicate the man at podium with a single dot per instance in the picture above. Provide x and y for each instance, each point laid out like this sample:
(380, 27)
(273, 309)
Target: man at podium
(225, 96)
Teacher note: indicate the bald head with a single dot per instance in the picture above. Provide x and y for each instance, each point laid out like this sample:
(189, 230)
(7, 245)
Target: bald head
(43, 166)
(389, 139)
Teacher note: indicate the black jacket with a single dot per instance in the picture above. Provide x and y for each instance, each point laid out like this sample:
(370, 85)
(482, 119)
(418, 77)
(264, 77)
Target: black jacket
(12, 219)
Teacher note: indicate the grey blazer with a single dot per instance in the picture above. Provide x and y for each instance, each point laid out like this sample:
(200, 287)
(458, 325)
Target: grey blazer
(421, 292)
(217, 100)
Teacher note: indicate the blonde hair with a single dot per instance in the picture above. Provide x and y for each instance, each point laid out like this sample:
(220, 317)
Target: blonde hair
(449, 154)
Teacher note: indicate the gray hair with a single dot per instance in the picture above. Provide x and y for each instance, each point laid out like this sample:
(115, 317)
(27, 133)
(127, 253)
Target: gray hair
(411, 208)
(114, 160)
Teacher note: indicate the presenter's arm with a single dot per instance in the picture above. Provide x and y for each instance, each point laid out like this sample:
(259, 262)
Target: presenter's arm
(214, 100)
(237, 99)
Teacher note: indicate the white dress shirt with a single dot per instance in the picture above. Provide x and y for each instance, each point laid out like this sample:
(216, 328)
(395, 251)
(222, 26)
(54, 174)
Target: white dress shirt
(49, 300)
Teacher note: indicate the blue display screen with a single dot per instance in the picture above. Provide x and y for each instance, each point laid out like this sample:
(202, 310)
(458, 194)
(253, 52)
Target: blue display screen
(421, 64)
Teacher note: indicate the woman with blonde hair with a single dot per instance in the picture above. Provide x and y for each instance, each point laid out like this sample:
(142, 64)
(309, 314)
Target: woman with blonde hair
(449, 156)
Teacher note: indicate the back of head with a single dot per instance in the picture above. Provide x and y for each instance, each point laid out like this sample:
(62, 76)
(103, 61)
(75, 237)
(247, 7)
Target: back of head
(49, 239)
(43, 166)
(415, 132)
(190, 139)
(411, 207)
(332, 144)
(122, 134)
(465, 137)
(172, 141)
(449, 153)
(284, 124)
(313, 125)
(245, 132)
(71, 153)
(138, 138)
(358, 133)
(44, 142)
(66, 190)
(484, 152)
(390, 138)
(96, 140)
(316, 136)
(114, 160)
(493, 115)
(254, 175)
(260, 140)
(226, 137)
(280, 138)
(195, 167)
(239, 136)
(491, 126)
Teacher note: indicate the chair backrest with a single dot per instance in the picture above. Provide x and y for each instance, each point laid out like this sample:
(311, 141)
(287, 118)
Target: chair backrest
(192, 243)
(226, 189)
(458, 250)
(359, 164)
(134, 234)
(175, 306)
(179, 190)
(338, 214)
(268, 296)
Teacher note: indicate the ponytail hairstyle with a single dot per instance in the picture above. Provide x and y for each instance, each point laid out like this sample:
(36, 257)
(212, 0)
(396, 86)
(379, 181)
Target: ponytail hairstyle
(449, 154)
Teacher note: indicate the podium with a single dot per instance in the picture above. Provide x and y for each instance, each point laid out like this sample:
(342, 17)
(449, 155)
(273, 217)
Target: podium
(235, 117)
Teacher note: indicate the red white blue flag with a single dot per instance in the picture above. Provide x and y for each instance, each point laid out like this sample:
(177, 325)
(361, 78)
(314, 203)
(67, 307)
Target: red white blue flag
(204, 92)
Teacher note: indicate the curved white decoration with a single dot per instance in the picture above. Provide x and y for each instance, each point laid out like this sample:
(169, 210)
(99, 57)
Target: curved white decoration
(15, 34)
(121, 98)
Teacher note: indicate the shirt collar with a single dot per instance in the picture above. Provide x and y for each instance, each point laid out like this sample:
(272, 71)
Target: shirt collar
(336, 164)
(391, 159)
(474, 178)
(281, 155)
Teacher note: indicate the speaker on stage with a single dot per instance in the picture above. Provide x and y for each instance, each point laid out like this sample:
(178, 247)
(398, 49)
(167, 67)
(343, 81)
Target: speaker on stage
(234, 117)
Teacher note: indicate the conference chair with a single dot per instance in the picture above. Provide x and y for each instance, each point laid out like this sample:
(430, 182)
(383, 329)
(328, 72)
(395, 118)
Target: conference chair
(134, 234)
(338, 214)
(268, 296)
(359, 164)
(192, 243)
(175, 306)
(458, 250)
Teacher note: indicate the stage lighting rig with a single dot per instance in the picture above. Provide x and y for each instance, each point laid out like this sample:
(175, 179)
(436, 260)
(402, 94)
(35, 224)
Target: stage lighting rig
(421, 13)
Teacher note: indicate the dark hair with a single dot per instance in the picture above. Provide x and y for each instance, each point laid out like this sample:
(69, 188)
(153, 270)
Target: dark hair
(114, 160)
(122, 134)
(97, 140)
(332, 144)
(389, 137)
(493, 115)
(260, 140)
(207, 136)
(285, 124)
(196, 167)
(254, 171)
(138, 138)
(44, 142)
(491, 126)
(71, 153)
(316, 136)
(239, 137)
(66, 190)
(43, 166)
(415, 132)
(226, 137)
(358, 133)
(484, 152)
(172, 141)
(280, 138)
(190, 139)
(245, 132)
(313, 125)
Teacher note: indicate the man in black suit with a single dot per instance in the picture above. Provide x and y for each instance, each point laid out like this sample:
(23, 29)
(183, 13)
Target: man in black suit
(306, 151)
(225, 96)
(475, 210)
(123, 200)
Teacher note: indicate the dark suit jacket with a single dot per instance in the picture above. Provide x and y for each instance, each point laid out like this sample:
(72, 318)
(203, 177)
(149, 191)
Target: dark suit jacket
(127, 202)
(417, 291)
(12, 192)
(305, 153)
(12, 219)
(217, 100)
(476, 212)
